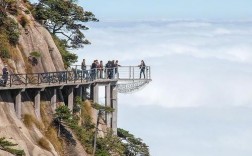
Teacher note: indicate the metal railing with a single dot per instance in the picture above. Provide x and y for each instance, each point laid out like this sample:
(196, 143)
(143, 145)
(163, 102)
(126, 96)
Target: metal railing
(125, 72)
(76, 75)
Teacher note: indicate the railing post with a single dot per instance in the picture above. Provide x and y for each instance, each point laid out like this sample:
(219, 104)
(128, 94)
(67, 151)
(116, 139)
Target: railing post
(113, 73)
(82, 73)
(129, 72)
(38, 78)
(133, 73)
(117, 74)
(66, 76)
(105, 73)
(26, 79)
(96, 73)
(149, 72)
(10, 79)
(60, 76)
(49, 78)
(75, 74)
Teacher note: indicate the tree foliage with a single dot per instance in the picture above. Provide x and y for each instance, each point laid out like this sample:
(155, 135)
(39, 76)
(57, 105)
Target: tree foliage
(9, 27)
(3, 16)
(5, 3)
(65, 18)
(68, 57)
(109, 145)
(63, 113)
(102, 108)
(6, 146)
(124, 143)
(133, 146)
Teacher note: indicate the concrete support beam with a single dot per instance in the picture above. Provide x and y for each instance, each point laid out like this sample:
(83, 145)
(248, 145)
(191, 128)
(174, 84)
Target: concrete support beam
(54, 100)
(70, 98)
(108, 104)
(84, 93)
(37, 103)
(79, 92)
(114, 101)
(95, 97)
(18, 103)
(96, 93)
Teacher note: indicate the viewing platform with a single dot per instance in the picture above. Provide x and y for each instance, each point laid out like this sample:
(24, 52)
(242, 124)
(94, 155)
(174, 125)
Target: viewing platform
(64, 86)
(127, 78)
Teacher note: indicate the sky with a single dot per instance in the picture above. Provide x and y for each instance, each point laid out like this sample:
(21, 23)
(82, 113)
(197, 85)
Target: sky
(199, 102)
(169, 9)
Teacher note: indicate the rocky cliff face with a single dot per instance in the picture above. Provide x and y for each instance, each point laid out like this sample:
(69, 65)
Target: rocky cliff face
(33, 37)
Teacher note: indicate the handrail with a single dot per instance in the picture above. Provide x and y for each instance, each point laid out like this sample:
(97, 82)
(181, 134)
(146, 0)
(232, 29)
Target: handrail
(75, 75)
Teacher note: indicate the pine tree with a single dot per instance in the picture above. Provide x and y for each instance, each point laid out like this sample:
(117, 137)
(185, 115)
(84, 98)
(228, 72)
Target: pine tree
(6, 146)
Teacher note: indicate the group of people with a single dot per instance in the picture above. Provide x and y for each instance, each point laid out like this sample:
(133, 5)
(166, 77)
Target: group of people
(98, 70)
(110, 70)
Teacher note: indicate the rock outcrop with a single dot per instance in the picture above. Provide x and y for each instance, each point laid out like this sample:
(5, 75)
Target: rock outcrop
(34, 37)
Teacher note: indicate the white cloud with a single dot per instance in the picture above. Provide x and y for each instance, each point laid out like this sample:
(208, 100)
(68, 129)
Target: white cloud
(194, 63)
(190, 131)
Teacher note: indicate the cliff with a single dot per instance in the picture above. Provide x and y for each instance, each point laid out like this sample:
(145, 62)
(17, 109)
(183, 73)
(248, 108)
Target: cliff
(30, 133)
(34, 37)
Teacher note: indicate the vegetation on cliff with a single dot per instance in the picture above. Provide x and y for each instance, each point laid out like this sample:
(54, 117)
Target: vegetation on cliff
(68, 57)
(81, 124)
(65, 18)
(7, 146)
(9, 32)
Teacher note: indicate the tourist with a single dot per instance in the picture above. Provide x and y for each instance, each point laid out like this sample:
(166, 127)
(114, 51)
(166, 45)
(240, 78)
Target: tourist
(109, 70)
(93, 70)
(142, 68)
(97, 69)
(116, 68)
(101, 69)
(113, 66)
(5, 75)
(84, 68)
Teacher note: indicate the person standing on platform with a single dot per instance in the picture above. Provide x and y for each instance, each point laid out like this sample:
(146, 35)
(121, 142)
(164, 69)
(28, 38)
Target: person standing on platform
(93, 70)
(142, 69)
(101, 69)
(116, 68)
(84, 69)
(5, 75)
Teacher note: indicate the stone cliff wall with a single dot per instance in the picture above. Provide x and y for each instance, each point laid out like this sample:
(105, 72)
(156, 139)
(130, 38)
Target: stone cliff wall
(34, 37)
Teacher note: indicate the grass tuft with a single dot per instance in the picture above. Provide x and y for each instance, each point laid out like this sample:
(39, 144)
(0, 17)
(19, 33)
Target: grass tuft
(44, 144)
(30, 120)
(50, 131)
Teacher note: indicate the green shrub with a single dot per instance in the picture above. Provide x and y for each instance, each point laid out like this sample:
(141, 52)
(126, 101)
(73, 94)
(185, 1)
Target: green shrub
(27, 11)
(35, 54)
(68, 57)
(12, 31)
(7, 146)
(23, 21)
(14, 37)
(11, 6)
(3, 16)
(4, 53)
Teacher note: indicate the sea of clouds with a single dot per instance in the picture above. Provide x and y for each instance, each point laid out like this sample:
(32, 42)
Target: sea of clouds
(193, 63)
(199, 101)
